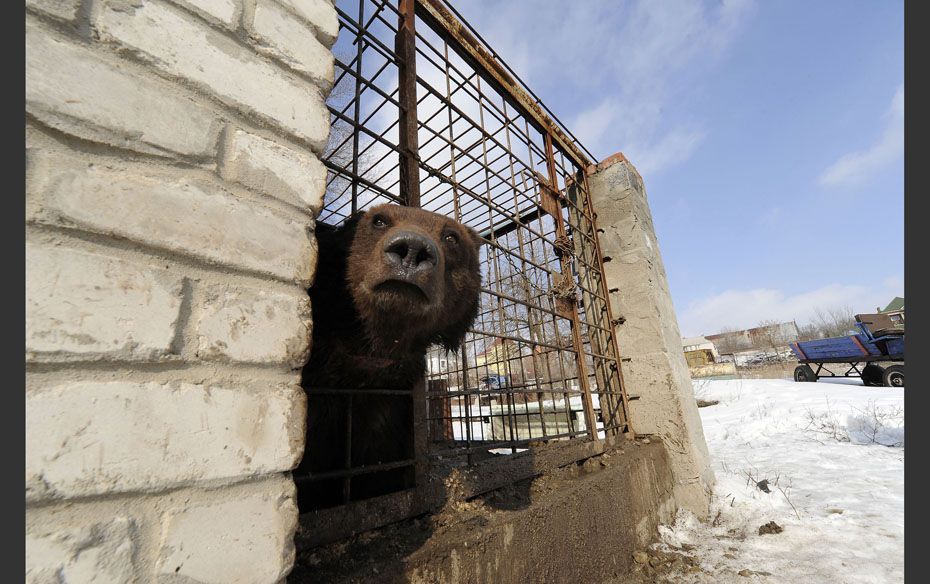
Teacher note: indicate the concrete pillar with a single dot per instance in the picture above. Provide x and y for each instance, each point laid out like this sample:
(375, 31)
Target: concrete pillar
(654, 366)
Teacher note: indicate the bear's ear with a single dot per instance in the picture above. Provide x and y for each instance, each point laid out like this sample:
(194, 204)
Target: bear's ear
(476, 239)
(336, 239)
(352, 220)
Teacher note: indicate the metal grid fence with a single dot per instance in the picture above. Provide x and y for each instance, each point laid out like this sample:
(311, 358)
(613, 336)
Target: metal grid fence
(425, 114)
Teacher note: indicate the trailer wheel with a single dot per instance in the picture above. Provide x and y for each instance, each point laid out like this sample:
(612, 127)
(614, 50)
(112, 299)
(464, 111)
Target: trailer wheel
(804, 373)
(894, 376)
(873, 375)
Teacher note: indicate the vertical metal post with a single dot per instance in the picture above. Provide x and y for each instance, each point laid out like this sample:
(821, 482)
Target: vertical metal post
(347, 481)
(466, 403)
(625, 421)
(405, 48)
(356, 112)
(590, 419)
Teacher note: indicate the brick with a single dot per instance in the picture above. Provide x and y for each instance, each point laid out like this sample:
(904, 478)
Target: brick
(224, 11)
(179, 46)
(321, 14)
(100, 552)
(92, 305)
(278, 171)
(195, 218)
(62, 9)
(254, 326)
(89, 438)
(278, 34)
(70, 88)
(245, 539)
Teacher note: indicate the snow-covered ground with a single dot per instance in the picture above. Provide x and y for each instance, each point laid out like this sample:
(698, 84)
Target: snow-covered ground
(833, 455)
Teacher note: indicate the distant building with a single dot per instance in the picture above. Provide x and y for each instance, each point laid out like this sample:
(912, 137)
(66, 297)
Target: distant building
(699, 351)
(894, 310)
(756, 339)
(704, 360)
(437, 362)
(499, 357)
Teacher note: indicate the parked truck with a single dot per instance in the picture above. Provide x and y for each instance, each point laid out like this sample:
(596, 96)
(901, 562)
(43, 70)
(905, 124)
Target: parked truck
(880, 340)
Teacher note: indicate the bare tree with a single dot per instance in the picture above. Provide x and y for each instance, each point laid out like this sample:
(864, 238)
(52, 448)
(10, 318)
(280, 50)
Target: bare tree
(808, 332)
(835, 321)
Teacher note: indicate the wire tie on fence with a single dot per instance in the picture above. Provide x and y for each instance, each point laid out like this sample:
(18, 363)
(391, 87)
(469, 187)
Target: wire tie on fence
(563, 246)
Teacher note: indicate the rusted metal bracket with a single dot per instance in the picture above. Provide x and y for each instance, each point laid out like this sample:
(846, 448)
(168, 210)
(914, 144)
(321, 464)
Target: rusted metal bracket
(550, 199)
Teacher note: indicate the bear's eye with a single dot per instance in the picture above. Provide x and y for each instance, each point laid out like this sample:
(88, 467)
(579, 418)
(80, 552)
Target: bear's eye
(379, 221)
(450, 238)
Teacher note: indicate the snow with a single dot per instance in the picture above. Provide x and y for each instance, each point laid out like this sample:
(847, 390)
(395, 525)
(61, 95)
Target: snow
(833, 455)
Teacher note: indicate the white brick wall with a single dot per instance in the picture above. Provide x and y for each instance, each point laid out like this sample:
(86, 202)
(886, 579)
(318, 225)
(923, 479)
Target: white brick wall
(63, 9)
(91, 438)
(275, 169)
(254, 326)
(226, 12)
(320, 14)
(91, 305)
(279, 35)
(84, 93)
(264, 551)
(178, 214)
(172, 181)
(95, 552)
(180, 47)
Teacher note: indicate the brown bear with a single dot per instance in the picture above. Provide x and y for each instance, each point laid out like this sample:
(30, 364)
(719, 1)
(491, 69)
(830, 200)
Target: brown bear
(390, 282)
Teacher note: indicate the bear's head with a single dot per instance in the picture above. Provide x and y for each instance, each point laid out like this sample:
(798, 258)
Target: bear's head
(413, 276)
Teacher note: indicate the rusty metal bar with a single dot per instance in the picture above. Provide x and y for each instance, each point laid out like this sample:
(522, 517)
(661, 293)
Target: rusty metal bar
(407, 98)
(590, 418)
(609, 312)
(410, 193)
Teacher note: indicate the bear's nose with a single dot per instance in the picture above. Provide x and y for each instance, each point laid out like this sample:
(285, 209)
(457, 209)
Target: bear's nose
(411, 251)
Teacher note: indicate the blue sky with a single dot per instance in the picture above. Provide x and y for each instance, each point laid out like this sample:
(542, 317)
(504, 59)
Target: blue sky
(769, 136)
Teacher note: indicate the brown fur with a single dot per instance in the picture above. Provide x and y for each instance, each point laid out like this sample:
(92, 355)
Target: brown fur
(373, 319)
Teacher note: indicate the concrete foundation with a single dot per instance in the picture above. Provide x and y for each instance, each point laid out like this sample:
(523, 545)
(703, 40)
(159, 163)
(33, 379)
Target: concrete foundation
(654, 367)
(580, 523)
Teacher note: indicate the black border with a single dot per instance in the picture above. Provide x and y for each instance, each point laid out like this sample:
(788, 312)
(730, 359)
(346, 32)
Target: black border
(14, 398)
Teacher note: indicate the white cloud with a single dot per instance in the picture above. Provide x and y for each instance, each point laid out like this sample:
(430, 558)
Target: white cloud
(857, 168)
(662, 48)
(674, 147)
(746, 308)
(625, 61)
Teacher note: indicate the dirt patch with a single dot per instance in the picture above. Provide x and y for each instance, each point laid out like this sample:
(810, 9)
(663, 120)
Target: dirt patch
(770, 528)
(653, 566)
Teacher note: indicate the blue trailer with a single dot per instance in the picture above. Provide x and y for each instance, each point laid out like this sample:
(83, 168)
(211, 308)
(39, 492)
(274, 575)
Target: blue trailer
(880, 339)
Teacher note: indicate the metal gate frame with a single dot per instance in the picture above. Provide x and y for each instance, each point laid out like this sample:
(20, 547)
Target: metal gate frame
(334, 523)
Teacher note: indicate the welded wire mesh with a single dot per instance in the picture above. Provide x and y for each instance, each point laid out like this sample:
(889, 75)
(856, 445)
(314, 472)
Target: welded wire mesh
(540, 363)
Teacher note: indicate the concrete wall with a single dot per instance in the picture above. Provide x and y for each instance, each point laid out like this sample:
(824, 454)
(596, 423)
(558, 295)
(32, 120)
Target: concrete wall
(580, 523)
(172, 181)
(654, 366)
